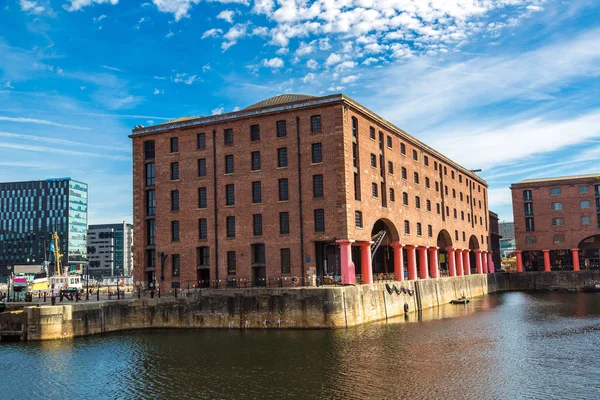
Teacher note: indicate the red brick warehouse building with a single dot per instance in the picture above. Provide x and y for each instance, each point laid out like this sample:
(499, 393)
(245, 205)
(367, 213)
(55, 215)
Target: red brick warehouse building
(301, 186)
(557, 223)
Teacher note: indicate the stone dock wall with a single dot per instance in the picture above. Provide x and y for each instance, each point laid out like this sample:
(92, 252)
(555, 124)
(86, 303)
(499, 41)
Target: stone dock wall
(550, 280)
(297, 308)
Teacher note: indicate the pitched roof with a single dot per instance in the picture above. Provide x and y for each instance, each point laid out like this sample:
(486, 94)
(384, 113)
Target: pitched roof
(561, 178)
(281, 99)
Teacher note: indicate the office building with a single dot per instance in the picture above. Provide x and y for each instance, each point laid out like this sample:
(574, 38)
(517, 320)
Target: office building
(110, 250)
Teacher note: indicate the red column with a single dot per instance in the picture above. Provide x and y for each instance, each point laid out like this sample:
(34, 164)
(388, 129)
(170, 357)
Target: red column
(519, 260)
(484, 261)
(575, 254)
(478, 266)
(366, 267)
(434, 264)
(451, 261)
(423, 265)
(398, 261)
(546, 260)
(347, 266)
(412, 261)
(490, 263)
(459, 262)
(466, 262)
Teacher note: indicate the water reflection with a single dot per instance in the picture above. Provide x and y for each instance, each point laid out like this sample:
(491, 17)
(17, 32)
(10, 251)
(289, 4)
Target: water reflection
(514, 345)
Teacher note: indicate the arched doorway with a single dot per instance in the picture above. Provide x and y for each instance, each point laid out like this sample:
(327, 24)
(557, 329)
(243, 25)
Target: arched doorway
(589, 252)
(383, 234)
(473, 245)
(444, 240)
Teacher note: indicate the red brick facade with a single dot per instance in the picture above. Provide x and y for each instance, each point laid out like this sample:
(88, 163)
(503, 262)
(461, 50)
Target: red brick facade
(457, 189)
(557, 214)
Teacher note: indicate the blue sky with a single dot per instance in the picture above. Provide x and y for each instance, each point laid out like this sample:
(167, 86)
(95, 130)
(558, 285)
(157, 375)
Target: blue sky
(509, 86)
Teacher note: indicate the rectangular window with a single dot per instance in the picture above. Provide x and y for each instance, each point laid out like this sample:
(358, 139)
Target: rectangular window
(556, 206)
(255, 161)
(150, 174)
(372, 133)
(150, 202)
(559, 238)
(318, 185)
(374, 190)
(584, 189)
(585, 220)
(529, 225)
(203, 256)
(202, 197)
(354, 127)
(175, 231)
(283, 189)
(528, 208)
(530, 240)
(416, 177)
(555, 191)
(230, 223)
(174, 171)
(358, 219)
(258, 254)
(427, 182)
(415, 155)
(419, 229)
(257, 225)
(404, 173)
(254, 133)
(228, 137)
(426, 161)
(428, 205)
(315, 123)
(402, 149)
(284, 223)
(405, 198)
(317, 153)
(584, 204)
(175, 261)
(151, 232)
(202, 229)
(256, 192)
(406, 227)
(174, 200)
(285, 255)
(389, 142)
(282, 157)
(201, 141)
(229, 166)
(390, 167)
(392, 195)
(373, 160)
(149, 150)
(355, 154)
(202, 167)
(320, 220)
(438, 208)
(229, 195)
(174, 145)
(417, 202)
(151, 258)
(231, 264)
(429, 230)
(527, 195)
(281, 129)
(557, 222)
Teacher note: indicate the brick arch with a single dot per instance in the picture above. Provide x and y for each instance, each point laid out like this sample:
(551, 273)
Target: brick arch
(444, 239)
(391, 230)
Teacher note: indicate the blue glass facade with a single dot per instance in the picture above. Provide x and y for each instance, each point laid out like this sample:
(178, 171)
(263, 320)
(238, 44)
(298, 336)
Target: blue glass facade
(31, 211)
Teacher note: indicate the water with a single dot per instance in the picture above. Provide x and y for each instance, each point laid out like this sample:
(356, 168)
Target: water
(506, 346)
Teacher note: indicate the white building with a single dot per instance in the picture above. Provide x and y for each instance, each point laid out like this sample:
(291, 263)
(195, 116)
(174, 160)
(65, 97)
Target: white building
(110, 250)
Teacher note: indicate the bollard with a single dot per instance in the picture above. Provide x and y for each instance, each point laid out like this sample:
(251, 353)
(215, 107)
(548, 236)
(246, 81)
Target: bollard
(152, 294)
(53, 300)
(139, 293)
(87, 295)
(98, 294)
(159, 293)
(44, 297)
(76, 297)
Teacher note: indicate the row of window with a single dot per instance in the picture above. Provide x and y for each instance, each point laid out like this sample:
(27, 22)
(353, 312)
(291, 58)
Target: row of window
(230, 224)
(557, 206)
(556, 191)
(281, 128)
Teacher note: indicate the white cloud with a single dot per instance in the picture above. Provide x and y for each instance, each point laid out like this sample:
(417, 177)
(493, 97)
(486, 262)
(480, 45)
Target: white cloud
(41, 122)
(234, 33)
(310, 77)
(273, 62)
(217, 111)
(282, 51)
(206, 68)
(160, 78)
(169, 35)
(312, 64)
(349, 79)
(111, 68)
(260, 31)
(8, 85)
(213, 33)
(345, 65)
(369, 61)
(226, 15)
(98, 19)
(305, 48)
(157, 91)
(333, 59)
(179, 8)
(185, 78)
(32, 7)
(77, 5)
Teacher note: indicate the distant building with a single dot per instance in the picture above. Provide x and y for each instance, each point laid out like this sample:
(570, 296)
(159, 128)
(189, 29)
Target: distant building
(31, 211)
(494, 239)
(507, 239)
(557, 222)
(110, 250)
(298, 186)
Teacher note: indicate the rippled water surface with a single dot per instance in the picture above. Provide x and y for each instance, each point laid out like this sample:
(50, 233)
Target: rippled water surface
(507, 346)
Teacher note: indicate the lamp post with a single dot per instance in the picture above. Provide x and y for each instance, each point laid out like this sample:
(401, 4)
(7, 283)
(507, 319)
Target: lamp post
(139, 289)
(163, 258)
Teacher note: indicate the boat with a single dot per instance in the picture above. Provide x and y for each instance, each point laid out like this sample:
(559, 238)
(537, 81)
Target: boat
(594, 287)
(60, 280)
(460, 300)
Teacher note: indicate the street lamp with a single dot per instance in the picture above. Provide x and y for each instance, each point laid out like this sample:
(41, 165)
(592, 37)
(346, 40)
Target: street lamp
(137, 285)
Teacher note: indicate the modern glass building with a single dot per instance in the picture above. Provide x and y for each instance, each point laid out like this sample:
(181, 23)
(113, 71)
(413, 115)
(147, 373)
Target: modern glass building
(31, 211)
(110, 250)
